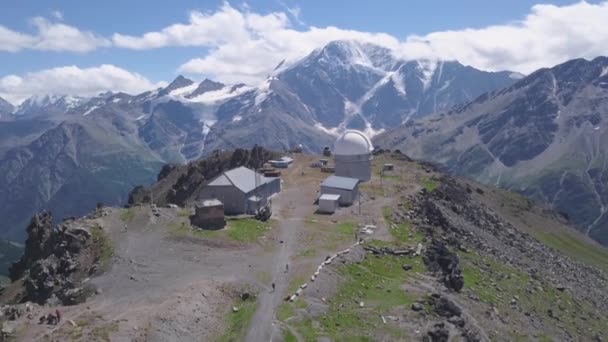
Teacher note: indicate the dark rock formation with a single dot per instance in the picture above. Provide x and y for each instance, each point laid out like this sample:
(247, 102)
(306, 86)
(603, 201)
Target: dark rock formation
(56, 261)
(444, 307)
(438, 258)
(37, 246)
(438, 333)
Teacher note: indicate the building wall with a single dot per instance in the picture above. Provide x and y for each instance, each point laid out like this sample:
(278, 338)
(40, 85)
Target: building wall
(211, 218)
(328, 206)
(359, 167)
(235, 202)
(347, 197)
(268, 189)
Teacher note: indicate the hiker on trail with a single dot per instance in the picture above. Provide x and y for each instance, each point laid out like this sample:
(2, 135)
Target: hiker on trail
(273, 287)
(58, 315)
(286, 268)
(51, 319)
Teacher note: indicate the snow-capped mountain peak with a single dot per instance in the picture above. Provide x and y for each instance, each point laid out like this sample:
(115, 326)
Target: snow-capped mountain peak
(49, 103)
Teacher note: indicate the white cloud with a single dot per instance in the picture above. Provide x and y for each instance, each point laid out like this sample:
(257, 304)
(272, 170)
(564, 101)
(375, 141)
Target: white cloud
(72, 80)
(245, 46)
(547, 36)
(12, 41)
(51, 36)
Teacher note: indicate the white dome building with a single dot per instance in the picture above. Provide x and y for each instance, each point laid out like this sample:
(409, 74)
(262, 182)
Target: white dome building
(353, 155)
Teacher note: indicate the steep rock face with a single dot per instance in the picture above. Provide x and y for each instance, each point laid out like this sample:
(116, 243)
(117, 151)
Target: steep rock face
(181, 184)
(38, 245)
(274, 119)
(5, 108)
(206, 86)
(353, 85)
(328, 79)
(544, 136)
(171, 128)
(56, 261)
(177, 83)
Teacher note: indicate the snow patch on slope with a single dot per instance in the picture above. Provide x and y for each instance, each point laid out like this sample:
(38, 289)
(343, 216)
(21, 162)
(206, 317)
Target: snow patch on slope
(427, 67)
(264, 90)
(215, 96)
(90, 110)
(331, 131)
(398, 82)
(370, 131)
(184, 90)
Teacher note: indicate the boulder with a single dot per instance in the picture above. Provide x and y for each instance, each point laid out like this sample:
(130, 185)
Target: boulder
(438, 333)
(457, 321)
(444, 307)
(417, 307)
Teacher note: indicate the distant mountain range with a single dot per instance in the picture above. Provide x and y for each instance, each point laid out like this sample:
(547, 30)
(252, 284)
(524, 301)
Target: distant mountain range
(66, 153)
(544, 136)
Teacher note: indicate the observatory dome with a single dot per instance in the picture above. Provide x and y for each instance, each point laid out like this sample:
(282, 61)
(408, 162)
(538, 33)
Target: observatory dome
(353, 143)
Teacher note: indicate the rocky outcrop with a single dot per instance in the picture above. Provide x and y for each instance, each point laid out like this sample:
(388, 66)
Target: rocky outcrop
(456, 220)
(439, 259)
(57, 260)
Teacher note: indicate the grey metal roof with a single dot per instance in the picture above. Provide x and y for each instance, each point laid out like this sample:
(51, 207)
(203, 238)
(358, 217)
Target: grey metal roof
(329, 197)
(287, 159)
(209, 203)
(220, 181)
(241, 177)
(337, 182)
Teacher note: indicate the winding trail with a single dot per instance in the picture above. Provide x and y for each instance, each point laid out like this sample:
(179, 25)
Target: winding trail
(296, 206)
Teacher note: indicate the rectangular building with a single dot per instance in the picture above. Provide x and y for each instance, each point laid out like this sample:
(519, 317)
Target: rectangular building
(329, 203)
(241, 190)
(208, 214)
(347, 188)
(282, 163)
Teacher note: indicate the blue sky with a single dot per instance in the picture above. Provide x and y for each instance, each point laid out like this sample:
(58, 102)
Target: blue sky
(52, 41)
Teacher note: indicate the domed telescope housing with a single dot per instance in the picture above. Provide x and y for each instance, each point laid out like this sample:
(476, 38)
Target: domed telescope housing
(353, 155)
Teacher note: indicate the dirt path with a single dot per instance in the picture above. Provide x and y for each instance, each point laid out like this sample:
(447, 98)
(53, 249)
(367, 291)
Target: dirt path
(293, 205)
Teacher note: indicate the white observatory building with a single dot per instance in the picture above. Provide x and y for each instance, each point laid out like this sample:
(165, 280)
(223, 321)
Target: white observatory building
(353, 155)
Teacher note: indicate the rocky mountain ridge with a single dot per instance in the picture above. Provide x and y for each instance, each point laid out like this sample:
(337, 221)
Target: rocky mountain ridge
(542, 136)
